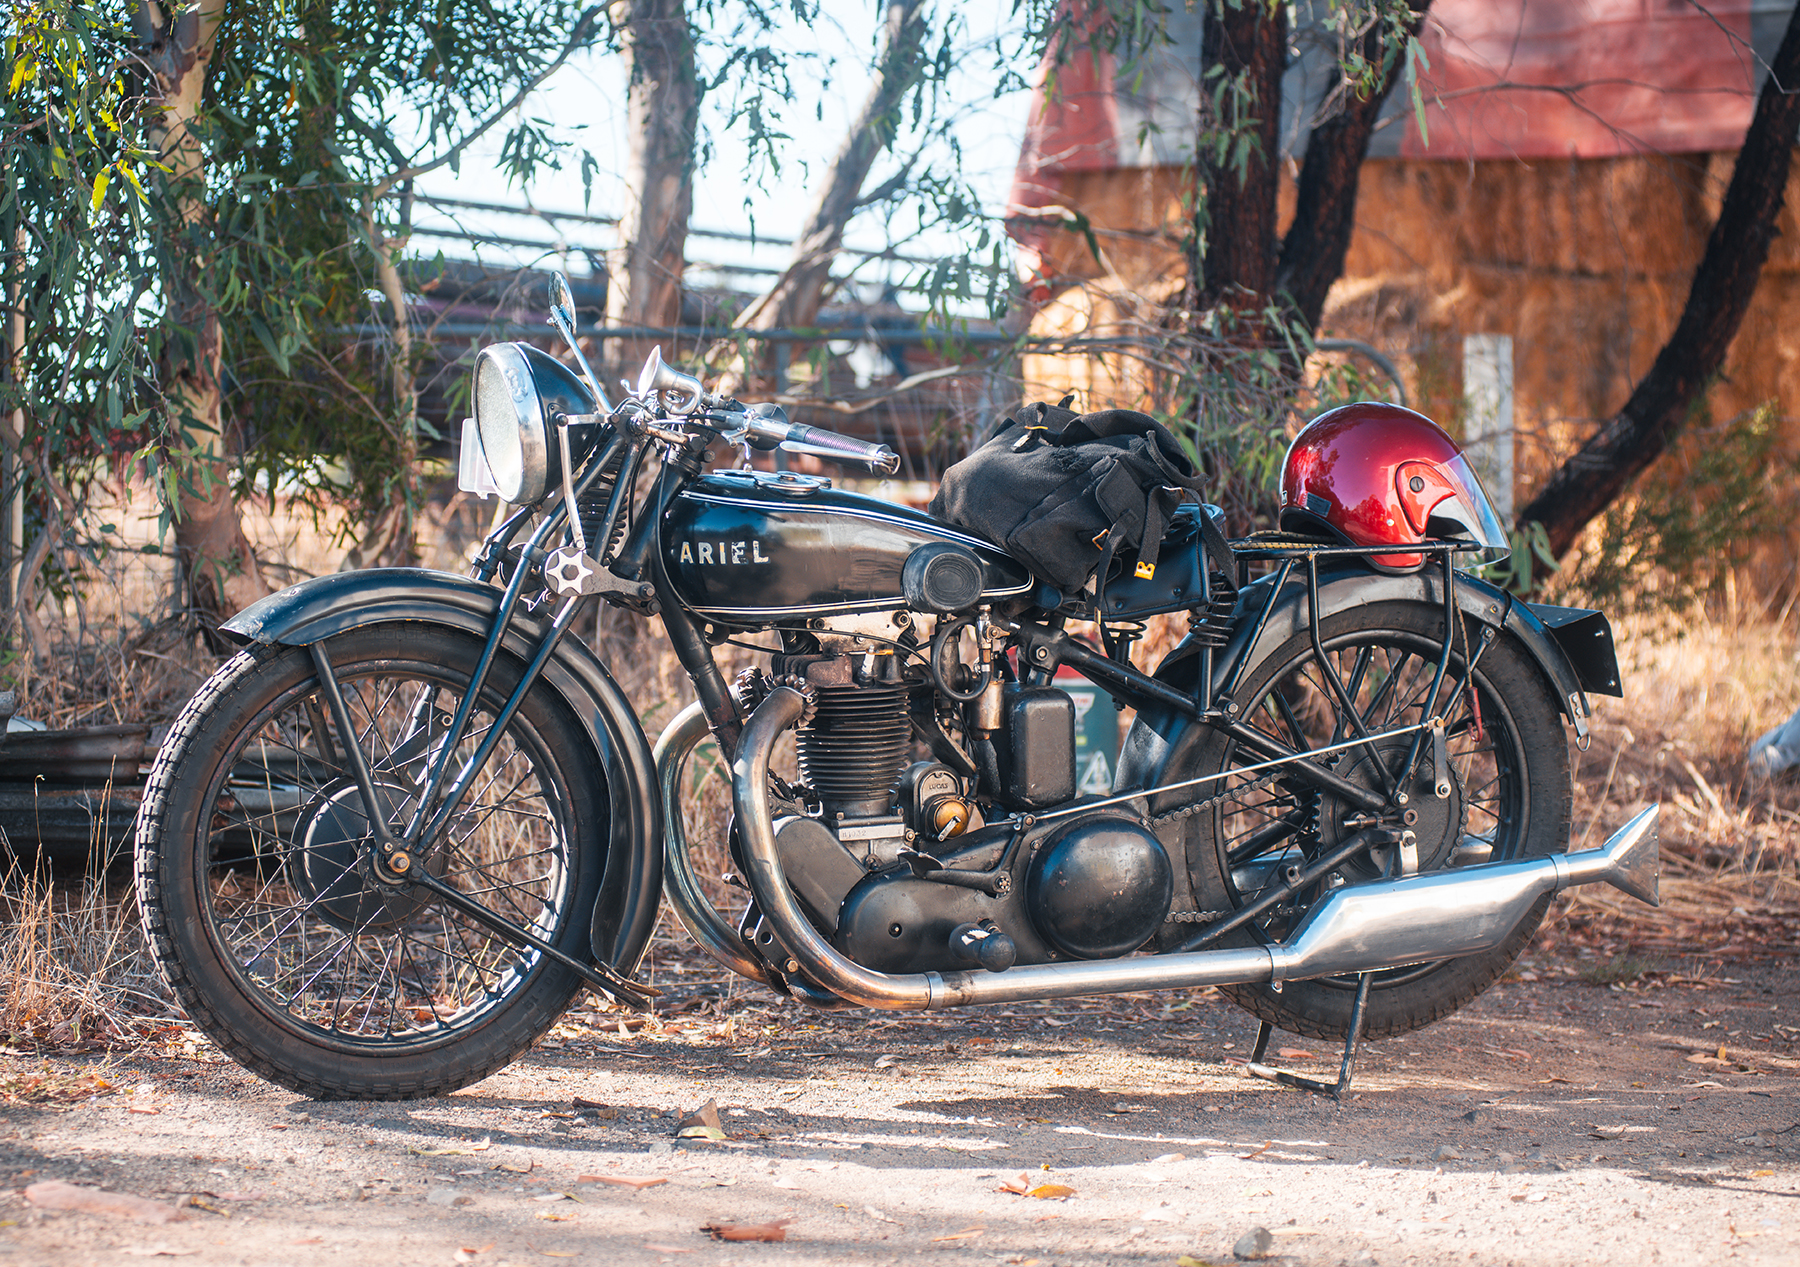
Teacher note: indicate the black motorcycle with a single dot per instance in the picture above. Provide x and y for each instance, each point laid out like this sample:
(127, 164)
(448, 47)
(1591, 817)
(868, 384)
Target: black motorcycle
(386, 845)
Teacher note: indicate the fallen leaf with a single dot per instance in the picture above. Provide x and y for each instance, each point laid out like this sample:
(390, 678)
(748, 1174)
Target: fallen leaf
(550, 1216)
(654, 1248)
(772, 1231)
(877, 1215)
(963, 1235)
(582, 1102)
(621, 1181)
(54, 1194)
(1018, 1187)
(1051, 1192)
(440, 1152)
(702, 1123)
(487, 1142)
(1267, 1145)
(1188, 1260)
(526, 1169)
(132, 1108)
(1295, 1053)
(556, 1253)
(467, 1255)
(1761, 1174)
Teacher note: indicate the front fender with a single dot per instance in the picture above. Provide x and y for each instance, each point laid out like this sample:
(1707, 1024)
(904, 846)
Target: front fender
(1153, 738)
(631, 882)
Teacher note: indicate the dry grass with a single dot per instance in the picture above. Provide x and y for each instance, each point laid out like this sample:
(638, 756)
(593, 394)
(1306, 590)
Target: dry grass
(1697, 692)
(74, 970)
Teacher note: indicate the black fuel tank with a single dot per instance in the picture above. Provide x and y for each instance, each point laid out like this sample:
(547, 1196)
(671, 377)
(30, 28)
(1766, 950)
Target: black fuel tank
(752, 546)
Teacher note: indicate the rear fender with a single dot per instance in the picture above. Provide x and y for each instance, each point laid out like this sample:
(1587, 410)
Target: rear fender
(1157, 732)
(631, 882)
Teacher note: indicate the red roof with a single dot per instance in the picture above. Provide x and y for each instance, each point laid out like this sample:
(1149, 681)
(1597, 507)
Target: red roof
(1505, 79)
(1583, 78)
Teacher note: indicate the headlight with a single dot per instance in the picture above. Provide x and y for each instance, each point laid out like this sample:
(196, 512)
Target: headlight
(517, 389)
(510, 417)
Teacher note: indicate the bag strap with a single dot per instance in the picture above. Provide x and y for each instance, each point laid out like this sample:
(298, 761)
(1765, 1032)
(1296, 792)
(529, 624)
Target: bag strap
(1218, 549)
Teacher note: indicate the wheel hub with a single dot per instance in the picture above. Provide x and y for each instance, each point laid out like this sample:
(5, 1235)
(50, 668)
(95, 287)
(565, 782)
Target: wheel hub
(328, 864)
(1436, 823)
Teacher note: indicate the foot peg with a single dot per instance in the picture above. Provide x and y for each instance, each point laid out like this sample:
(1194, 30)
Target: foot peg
(984, 944)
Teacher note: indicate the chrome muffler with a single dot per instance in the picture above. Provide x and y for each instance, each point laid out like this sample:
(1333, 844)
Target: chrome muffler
(1355, 929)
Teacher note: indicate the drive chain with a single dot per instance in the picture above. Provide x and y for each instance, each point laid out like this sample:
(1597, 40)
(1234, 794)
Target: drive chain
(1188, 811)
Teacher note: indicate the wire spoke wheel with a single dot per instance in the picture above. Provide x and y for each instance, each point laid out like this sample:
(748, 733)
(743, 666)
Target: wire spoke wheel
(1504, 794)
(262, 907)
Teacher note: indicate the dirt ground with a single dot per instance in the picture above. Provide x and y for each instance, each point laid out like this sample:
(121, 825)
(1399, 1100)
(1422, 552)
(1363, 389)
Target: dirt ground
(1580, 1112)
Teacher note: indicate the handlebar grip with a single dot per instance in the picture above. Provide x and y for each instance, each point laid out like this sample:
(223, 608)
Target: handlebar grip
(772, 430)
(829, 444)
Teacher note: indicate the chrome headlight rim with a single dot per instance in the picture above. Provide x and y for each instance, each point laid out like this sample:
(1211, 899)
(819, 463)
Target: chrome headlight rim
(509, 417)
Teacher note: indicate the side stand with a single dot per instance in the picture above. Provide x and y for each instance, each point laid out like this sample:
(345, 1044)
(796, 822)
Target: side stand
(1335, 1090)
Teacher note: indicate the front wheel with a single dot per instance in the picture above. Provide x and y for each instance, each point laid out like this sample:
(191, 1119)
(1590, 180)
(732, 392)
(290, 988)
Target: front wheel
(1508, 795)
(262, 917)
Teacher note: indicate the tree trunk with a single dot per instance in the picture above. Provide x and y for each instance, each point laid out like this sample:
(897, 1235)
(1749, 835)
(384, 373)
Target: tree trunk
(1312, 254)
(218, 566)
(1586, 484)
(644, 272)
(1234, 240)
(798, 294)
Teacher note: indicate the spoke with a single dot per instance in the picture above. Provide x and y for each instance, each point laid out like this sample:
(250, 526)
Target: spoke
(1296, 732)
(1353, 687)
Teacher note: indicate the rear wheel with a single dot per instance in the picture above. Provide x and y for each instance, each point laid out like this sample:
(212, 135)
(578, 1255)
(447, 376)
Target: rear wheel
(1508, 796)
(263, 919)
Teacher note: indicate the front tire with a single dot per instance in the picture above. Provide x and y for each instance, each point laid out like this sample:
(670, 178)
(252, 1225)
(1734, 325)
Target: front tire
(1510, 797)
(256, 909)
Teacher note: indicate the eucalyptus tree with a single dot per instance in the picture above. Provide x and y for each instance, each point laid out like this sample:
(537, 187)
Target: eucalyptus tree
(644, 273)
(71, 224)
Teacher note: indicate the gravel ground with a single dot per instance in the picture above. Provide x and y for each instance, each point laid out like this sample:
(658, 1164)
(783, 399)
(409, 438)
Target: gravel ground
(1555, 1120)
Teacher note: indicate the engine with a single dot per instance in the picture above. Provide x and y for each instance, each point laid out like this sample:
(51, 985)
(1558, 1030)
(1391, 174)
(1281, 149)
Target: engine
(910, 848)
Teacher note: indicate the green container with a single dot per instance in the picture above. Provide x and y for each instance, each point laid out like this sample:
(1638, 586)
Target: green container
(1096, 734)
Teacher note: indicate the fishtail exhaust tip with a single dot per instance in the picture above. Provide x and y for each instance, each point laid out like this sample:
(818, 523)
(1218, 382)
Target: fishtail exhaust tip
(1634, 858)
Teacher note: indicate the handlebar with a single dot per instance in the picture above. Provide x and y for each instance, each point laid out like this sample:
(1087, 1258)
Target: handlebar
(767, 427)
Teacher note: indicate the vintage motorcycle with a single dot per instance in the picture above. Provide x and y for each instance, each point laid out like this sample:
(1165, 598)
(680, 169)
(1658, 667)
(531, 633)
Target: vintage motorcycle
(385, 846)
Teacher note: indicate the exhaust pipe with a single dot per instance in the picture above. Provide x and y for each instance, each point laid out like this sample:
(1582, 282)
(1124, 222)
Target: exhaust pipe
(1356, 929)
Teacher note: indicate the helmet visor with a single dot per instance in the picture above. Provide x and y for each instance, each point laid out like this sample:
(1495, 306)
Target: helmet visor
(1471, 513)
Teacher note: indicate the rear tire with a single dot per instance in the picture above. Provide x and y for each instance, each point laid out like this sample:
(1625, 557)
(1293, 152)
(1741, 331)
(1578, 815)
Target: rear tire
(1511, 791)
(253, 904)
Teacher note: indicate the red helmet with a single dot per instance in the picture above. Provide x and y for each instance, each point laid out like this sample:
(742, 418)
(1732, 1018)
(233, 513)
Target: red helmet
(1375, 474)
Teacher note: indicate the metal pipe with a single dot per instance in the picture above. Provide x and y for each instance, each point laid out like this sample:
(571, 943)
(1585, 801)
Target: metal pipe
(1355, 929)
(692, 907)
(750, 798)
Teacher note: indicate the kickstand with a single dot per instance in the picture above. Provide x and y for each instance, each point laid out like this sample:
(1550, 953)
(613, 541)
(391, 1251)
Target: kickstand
(1257, 1069)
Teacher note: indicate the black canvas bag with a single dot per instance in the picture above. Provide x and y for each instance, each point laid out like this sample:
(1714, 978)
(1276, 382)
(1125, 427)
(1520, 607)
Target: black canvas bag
(1064, 492)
